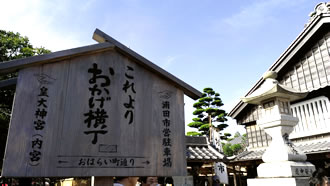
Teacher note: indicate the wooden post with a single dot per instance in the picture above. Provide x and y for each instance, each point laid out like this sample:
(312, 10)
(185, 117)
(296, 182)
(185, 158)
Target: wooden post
(103, 181)
(234, 176)
(210, 122)
(239, 175)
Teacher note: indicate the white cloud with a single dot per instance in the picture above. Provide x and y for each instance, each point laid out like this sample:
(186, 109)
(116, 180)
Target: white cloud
(169, 61)
(234, 127)
(34, 19)
(256, 15)
(85, 6)
(251, 16)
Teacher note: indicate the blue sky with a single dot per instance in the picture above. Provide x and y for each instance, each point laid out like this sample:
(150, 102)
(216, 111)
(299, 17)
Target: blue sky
(226, 45)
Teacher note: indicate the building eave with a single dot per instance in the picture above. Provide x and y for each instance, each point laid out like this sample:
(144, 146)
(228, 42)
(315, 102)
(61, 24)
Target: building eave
(15, 65)
(314, 147)
(286, 56)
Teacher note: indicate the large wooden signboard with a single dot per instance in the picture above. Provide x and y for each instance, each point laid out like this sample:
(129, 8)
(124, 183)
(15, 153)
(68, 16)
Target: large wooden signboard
(100, 114)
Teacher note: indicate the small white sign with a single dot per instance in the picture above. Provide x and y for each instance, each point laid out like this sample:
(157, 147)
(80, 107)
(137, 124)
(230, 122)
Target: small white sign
(216, 140)
(220, 170)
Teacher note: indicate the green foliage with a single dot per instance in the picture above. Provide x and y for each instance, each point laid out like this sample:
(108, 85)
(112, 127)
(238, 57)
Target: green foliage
(12, 46)
(201, 116)
(237, 134)
(217, 103)
(221, 117)
(227, 150)
(197, 119)
(195, 124)
(193, 133)
(227, 134)
(198, 105)
(204, 127)
(233, 149)
(210, 110)
(203, 95)
(230, 150)
(208, 106)
(198, 111)
(236, 148)
(209, 91)
(205, 99)
(222, 126)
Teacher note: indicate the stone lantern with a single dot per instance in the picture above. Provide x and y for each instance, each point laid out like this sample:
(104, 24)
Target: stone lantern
(283, 162)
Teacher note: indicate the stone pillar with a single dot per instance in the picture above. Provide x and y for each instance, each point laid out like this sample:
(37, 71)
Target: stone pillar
(284, 164)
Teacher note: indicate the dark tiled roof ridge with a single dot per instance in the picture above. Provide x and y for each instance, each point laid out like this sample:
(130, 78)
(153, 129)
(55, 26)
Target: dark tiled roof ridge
(307, 147)
(204, 153)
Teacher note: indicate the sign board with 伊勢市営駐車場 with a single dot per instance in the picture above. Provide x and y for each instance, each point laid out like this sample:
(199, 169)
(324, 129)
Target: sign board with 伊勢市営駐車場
(99, 110)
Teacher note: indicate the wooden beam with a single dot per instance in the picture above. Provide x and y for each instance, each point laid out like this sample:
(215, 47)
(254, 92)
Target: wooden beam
(15, 65)
(8, 83)
(234, 176)
(102, 37)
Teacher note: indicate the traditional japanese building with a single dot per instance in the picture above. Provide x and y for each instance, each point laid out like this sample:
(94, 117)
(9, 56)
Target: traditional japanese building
(305, 67)
(201, 157)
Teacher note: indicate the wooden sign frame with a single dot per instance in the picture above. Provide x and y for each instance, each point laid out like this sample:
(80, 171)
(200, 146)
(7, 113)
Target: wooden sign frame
(95, 111)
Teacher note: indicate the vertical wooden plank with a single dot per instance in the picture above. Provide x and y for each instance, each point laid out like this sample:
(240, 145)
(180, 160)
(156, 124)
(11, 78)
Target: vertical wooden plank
(297, 76)
(327, 62)
(317, 113)
(305, 72)
(147, 141)
(322, 113)
(304, 87)
(18, 146)
(322, 60)
(304, 118)
(327, 114)
(167, 93)
(313, 122)
(307, 117)
(71, 131)
(294, 114)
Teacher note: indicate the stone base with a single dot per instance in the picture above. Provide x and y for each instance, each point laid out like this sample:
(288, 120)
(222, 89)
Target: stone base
(285, 169)
(301, 181)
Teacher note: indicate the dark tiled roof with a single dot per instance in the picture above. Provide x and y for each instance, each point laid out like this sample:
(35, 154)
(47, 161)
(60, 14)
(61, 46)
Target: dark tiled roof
(250, 155)
(237, 140)
(315, 147)
(203, 153)
(196, 140)
(199, 150)
(308, 148)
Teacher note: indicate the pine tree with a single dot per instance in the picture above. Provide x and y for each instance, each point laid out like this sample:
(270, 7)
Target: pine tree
(209, 114)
